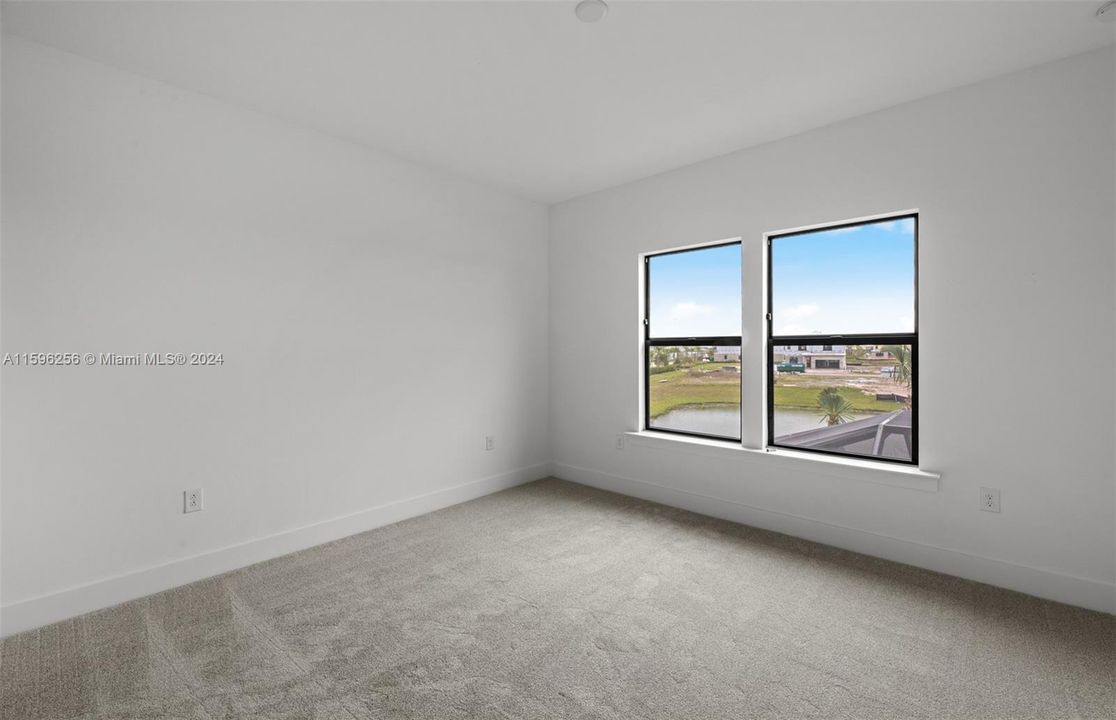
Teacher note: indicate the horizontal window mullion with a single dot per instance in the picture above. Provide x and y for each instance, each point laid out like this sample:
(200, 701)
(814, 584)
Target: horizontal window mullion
(839, 226)
(694, 434)
(694, 341)
(838, 453)
(862, 339)
(695, 248)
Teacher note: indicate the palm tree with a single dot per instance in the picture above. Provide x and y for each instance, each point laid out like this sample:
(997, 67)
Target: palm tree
(903, 372)
(902, 355)
(835, 408)
(855, 354)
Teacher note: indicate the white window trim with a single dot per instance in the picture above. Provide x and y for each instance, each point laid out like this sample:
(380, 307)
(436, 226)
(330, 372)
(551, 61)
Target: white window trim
(850, 468)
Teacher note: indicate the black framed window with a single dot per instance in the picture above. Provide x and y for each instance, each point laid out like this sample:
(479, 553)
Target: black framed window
(843, 339)
(691, 323)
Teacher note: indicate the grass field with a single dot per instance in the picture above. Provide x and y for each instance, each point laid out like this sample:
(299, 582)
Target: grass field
(806, 397)
(708, 384)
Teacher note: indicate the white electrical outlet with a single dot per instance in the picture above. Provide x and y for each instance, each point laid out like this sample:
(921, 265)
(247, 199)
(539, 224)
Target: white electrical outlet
(990, 499)
(489, 442)
(620, 442)
(193, 500)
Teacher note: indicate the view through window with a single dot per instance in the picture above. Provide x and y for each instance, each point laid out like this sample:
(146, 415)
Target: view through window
(843, 340)
(692, 341)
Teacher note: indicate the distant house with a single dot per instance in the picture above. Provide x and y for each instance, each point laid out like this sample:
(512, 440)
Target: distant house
(726, 354)
(814, 357)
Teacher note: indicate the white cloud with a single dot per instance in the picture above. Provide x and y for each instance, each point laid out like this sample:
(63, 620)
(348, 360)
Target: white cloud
(798, 312)
(888, 226)
(789, 320)
(904, 226)
(689, 311)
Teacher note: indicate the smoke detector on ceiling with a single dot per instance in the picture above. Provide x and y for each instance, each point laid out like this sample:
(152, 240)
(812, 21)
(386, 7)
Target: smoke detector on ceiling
(1107, 12)
(591, 11)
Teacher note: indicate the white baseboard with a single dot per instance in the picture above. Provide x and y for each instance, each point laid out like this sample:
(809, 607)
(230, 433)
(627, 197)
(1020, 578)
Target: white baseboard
(45, 609)
(1068, 589)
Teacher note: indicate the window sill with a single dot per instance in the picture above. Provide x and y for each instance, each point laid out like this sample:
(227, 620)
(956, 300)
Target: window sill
(829, 465)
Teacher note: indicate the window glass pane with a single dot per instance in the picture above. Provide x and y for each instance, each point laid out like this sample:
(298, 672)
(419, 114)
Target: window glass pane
(695, 389)
(853, 399)
(695, 293)
(852, 280)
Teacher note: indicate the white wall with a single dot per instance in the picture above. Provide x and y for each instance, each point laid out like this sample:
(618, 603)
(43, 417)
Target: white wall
(376, 320)
(1014, 180)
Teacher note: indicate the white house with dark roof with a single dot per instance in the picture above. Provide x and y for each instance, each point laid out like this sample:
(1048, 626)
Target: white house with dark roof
(726, 354)
(814, 357)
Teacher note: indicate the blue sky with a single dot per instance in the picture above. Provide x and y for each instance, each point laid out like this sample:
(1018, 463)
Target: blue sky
(850, 280)
(696, 293)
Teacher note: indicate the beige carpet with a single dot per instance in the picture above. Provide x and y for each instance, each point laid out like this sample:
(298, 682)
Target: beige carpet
(557, 601)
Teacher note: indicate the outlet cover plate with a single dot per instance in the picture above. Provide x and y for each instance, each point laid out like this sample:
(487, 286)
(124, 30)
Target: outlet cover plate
(990, 499)
(193, 500)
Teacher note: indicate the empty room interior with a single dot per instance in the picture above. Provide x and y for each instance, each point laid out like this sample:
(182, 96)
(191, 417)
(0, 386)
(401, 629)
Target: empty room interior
(553, 359)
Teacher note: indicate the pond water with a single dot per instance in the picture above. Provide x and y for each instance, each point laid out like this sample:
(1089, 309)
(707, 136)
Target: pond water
(792, 421)
(724, 420)
(721, 420)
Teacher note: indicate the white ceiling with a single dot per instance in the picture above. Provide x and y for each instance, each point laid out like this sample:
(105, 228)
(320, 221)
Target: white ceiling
(522, 96)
